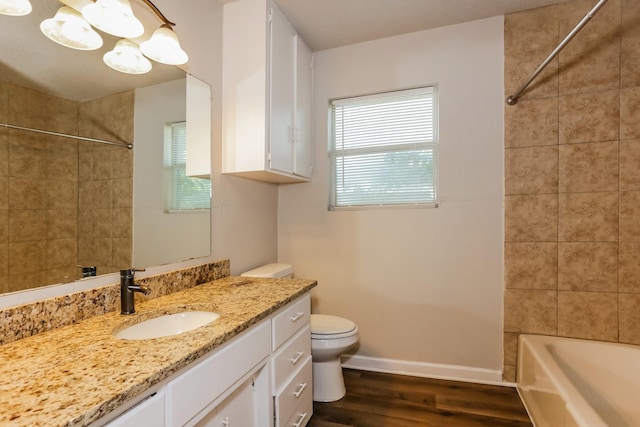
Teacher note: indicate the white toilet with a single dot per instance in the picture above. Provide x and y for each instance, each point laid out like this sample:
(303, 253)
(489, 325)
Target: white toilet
(331, 336)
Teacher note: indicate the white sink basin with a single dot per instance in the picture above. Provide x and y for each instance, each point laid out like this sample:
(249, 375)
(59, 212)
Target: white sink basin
(167, 325)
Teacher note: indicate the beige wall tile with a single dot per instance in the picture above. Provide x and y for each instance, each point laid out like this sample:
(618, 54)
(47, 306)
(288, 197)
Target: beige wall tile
(62, 194)
(591, 266)
(630, 164)
(62, 223)
(630, 44)
(103, 164)
(629, 318)
(606, 23)
(62, 165)
(629, 268)
(85, 222)
(531, 218)
(591, 66)
(510, 348)
(589, 117)
(630, 216)
(4, 225)
(589, 315)
(509, 373)
(4, 152)
(27, 193)
(532, 30)
(122, 253)
(531, 123)
(62, 253)
(531, 170)
(61, 115)
(86, 251)
(85, 165)
(27, 257)
(4, 193)
(103, 252)
(27, 280)
(588, 217)
(630, 113)
(27, 107)
(531, 265)
(122, 193)
(102, 223)
(122, 223)
(122, 163)
(588, 167)
(4, 260)
(28, 155)
(62, 275)
(518, 67)
(27, 225)
(530, 311)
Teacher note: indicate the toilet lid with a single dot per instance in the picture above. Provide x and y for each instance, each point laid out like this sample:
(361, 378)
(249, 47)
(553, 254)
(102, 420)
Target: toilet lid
(324, 324)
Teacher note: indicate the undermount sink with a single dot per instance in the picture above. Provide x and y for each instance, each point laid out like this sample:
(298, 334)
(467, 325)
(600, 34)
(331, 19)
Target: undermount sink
(167, 325)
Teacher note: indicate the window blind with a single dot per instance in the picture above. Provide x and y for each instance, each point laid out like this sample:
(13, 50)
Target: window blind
(384, 149)
(187, 193)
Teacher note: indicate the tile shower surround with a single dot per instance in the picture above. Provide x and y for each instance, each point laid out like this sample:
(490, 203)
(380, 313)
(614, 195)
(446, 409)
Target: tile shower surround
(572, 176)
(63, 202)
(41, 316)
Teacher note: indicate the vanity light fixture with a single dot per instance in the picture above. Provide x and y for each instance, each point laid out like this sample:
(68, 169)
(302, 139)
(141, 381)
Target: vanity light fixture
(15, 7)
(69, 29)
(114, 17)
(127, 58)
(72, 28)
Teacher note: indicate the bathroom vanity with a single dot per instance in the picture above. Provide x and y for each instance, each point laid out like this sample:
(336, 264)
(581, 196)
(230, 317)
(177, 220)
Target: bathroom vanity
(250, 366)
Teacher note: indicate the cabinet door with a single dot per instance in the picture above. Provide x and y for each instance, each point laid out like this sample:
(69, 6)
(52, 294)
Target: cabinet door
(302, 143)
(148, 413)
(282, 96)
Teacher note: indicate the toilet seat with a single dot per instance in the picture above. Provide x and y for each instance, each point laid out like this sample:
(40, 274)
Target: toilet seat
(327, 327)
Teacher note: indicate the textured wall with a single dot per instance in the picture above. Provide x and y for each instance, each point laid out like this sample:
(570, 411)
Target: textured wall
(572, 176)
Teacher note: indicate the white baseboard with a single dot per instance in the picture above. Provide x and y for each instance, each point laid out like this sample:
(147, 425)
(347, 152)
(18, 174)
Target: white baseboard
(426, 370)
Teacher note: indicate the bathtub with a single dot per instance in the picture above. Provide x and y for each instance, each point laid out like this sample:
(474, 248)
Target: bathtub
(567, 382)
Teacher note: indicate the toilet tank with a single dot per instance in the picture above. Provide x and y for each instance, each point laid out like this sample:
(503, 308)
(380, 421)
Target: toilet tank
(274, 270)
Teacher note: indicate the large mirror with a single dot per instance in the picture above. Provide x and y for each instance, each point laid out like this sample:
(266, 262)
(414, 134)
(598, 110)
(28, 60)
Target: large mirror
(74, 207)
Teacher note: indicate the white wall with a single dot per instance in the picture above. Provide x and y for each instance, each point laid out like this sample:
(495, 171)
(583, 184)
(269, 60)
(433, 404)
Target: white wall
(424, 285)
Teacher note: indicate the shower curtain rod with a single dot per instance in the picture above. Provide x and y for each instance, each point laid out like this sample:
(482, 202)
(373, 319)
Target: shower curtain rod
(64, 135)
(513, 99)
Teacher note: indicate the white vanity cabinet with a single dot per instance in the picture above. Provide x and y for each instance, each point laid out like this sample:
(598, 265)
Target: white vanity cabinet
(258, 377)
(266, 95)
(291, 364)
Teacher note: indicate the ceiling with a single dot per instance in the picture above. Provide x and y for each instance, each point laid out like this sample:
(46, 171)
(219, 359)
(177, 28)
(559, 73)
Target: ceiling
(326, 24)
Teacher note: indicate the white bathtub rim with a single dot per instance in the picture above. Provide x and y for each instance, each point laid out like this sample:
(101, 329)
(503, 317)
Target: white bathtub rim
(582, 412)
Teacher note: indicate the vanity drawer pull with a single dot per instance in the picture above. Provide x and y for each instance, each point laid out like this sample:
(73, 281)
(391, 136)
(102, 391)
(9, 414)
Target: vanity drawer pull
(298, 392)
(302, 418)
(297, 316)
(297, 357)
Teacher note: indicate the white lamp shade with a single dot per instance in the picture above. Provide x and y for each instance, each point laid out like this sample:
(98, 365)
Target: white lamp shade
(127, 58)
(114, 17)
(69, 29)
(164, 47)
(15, 7)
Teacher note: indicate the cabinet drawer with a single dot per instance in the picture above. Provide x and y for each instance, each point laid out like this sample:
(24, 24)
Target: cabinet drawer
(290, 357)
(291, 319)
(148, 413)
(302, 413)
(294, 392)
(194, 390)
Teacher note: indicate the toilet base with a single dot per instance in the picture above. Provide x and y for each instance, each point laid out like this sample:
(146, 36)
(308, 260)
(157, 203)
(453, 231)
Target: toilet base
(328, 382)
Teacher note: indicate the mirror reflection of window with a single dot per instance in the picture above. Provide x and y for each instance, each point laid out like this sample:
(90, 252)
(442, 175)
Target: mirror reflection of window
(182, 193)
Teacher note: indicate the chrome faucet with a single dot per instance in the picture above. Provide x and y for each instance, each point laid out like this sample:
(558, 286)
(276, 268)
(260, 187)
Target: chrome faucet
(127, 290)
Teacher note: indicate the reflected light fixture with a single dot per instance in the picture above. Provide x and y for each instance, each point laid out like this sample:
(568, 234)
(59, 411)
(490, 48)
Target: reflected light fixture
(69, 29)
(15, 7)
(114, 17)
(164, 47)
(127, 58)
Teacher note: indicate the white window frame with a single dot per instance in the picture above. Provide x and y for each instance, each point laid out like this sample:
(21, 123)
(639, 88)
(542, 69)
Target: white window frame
(335, 152)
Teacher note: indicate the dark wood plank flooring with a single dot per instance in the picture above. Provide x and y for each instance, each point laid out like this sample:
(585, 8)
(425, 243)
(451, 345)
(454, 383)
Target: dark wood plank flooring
(385, 400)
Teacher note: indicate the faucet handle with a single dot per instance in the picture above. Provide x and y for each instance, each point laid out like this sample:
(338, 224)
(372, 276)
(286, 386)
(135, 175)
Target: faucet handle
(130, 272)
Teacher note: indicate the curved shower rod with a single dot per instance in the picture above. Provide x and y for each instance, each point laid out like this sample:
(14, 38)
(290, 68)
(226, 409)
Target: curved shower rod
(513, 99)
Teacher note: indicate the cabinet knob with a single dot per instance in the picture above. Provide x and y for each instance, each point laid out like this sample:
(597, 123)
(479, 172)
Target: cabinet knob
(225, 422)
(298, 392)
(297, 357)
(297, 316)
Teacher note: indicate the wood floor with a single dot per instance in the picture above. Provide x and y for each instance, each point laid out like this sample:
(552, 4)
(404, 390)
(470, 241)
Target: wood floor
(385, 400)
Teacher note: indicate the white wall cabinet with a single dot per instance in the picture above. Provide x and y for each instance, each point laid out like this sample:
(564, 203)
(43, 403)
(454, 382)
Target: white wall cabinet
(262, 375)
(266, 95)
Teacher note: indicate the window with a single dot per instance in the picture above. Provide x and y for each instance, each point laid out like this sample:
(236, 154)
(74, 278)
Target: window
(184, 193)
(384, 150)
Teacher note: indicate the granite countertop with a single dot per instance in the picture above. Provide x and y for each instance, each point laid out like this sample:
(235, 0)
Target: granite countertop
(76, 374)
